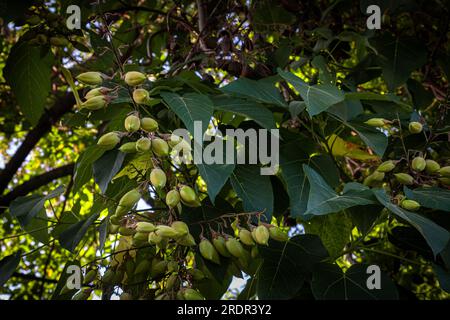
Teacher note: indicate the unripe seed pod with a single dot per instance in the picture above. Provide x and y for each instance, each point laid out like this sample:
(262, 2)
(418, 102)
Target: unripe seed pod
(191, 294)
(126, 231)
(208, 251)
(94, 103)
(196, 274)
(181, 227)
(132, 123)
(410, 205)
(186, 240)
(254, 253)
(166, 231)
(154, 238)
(33, 20)
(376, 122)
(90, 276)
(113, 229)
(172, 198)
(82, 294)
(262, 235)
(187, 194)
(432, 166)
(109, 140)
(129, 147)
(277, 234)
(404, 178)
(59, 41)
(96, 92)
(445, 181)
(115, 219)
(377, 176)
(109, 276)
(143, 144)
(234, 247)
(119, 276)
(158, 178)
(141, 96)
(143, 266)
(91, 78)
(418, 164)
(445, 171)
(172, 266)
(219, 244)
(149, 124)
(130, 198)
(126, 296)
(386, 166)
(134, 78)
(172, 281)
(415, 127)
(140, 236)
(158, 268)
(160, 147)
(246, 237)
(180, 295)
(144, 226)
(41, 38)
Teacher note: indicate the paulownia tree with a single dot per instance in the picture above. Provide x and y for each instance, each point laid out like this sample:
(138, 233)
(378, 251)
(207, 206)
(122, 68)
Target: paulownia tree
(88, 175)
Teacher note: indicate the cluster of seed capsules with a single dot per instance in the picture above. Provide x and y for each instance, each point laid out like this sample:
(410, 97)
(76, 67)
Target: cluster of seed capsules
(421, 172)
(174, 275)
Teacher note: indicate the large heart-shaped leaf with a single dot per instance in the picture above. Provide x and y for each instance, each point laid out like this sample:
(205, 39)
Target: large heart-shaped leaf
(318, 98)
(286, 265)
(189, 108)
(215, 176)
(259, 91)
(436, 236)
(71, 237)
(247, 108)
(433, 197)
(8, 265)
(254, 189)
(28, 207)
(106, 167)
(323, 199)
(28, 74)
(330, 283)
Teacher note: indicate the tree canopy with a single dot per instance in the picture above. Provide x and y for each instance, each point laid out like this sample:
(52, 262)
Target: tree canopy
(89, 176)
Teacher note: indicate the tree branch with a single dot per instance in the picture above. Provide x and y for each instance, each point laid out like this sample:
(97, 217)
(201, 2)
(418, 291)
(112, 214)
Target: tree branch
(44, 125)
(35, 183)
(33, 277)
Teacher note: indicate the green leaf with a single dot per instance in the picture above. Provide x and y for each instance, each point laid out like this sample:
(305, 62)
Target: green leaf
(330, 283)
(189, 108)
(443, 277)
(286, 264)
(106, 167)
(436, 236)
(433, 197)
(421, 98)
(8, 265)
(334, 230)
(83, 168)
(246, 108)
(28, 207)
(71, 237)
(399, 57)
(256, 90)
(372, 96)
(347, 109)
(372, 137)
(63, 281)
(323, 199)
(254, 189)
(297, 185)
(38, 227)
(215, 176)
(318, 98)
(28, 74)
(270, 15)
